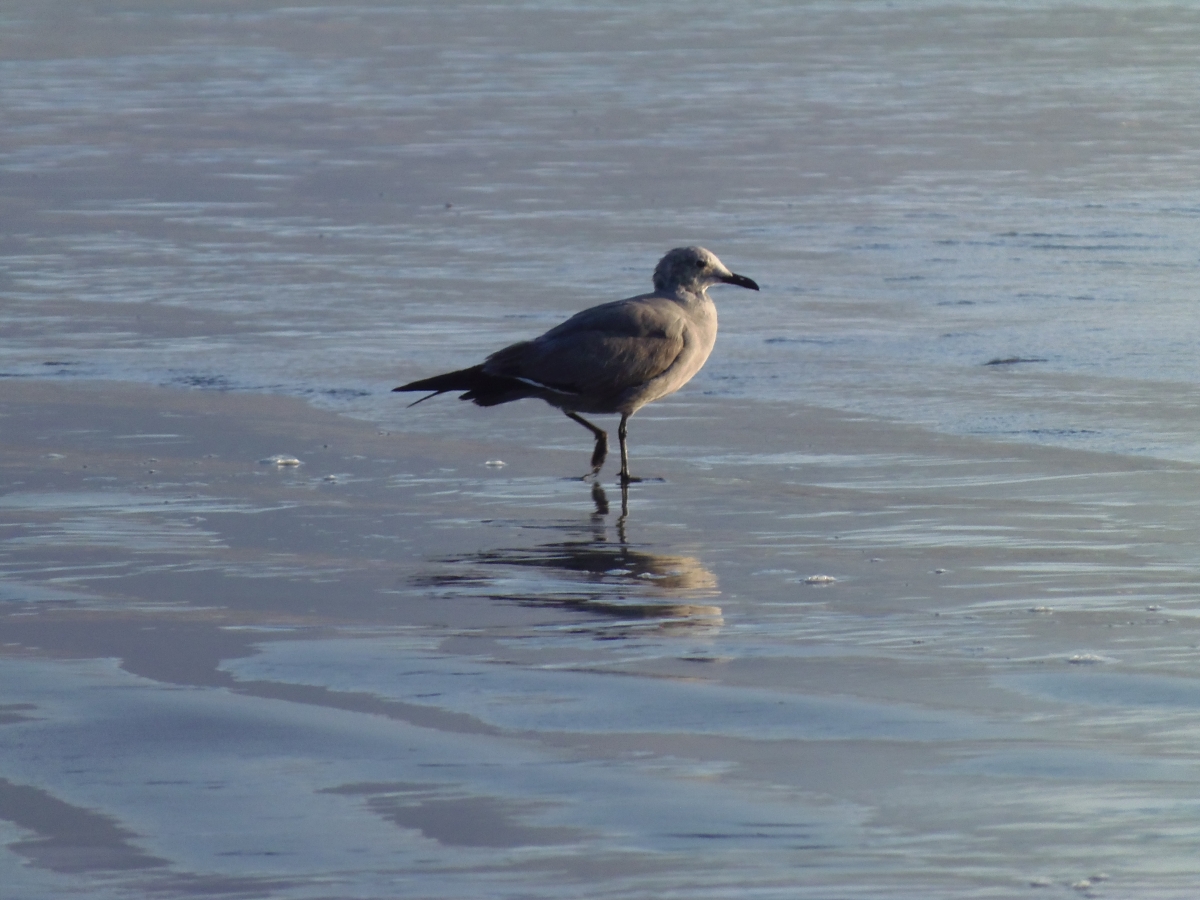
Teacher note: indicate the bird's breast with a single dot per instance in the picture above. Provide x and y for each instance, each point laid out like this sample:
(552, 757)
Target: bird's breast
(699, 334)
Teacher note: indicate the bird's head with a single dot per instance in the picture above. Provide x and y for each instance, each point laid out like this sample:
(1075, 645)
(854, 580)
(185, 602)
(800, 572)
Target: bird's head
(692, 269)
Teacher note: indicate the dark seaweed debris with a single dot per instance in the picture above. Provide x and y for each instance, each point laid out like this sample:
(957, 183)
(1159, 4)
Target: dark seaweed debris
(1014, 360)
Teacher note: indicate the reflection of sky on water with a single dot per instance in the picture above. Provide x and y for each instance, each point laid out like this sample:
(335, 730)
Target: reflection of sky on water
(424, 646)
(579, 698)
(263, 781)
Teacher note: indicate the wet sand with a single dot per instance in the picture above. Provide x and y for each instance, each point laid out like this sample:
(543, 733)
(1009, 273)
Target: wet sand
(833, 657)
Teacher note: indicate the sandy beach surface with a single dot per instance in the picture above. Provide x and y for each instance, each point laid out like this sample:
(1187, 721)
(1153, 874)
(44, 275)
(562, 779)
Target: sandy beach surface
(854, 658)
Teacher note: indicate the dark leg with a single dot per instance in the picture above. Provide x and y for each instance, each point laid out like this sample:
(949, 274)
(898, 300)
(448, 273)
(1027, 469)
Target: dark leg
(624, 512)
(600, 453)
(622, 430)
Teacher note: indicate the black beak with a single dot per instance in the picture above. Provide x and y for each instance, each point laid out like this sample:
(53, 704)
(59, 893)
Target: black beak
(740, 281)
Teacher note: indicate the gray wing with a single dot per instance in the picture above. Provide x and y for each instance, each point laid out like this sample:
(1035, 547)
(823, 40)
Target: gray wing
(600, 352)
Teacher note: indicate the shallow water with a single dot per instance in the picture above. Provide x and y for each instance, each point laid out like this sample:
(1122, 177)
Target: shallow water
(321, 200)
(912, 611)
(938, 667)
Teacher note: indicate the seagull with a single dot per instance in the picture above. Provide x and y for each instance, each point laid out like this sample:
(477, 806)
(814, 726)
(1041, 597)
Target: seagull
(612, 358)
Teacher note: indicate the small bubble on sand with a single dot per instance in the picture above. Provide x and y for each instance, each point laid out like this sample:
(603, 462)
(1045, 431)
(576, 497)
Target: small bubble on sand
(495, 464)
(282, 460)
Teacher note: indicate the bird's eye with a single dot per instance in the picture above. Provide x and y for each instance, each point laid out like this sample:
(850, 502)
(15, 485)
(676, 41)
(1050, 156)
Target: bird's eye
(699, 264)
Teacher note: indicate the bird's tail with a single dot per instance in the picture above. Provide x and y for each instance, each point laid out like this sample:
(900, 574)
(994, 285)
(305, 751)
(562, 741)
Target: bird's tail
(482, 388)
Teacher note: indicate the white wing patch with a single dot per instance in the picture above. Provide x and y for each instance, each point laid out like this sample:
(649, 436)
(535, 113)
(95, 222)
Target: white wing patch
(544, 387)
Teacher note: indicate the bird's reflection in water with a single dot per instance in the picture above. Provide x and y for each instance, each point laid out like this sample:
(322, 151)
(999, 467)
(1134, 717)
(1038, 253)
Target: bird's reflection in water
(595, 574)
